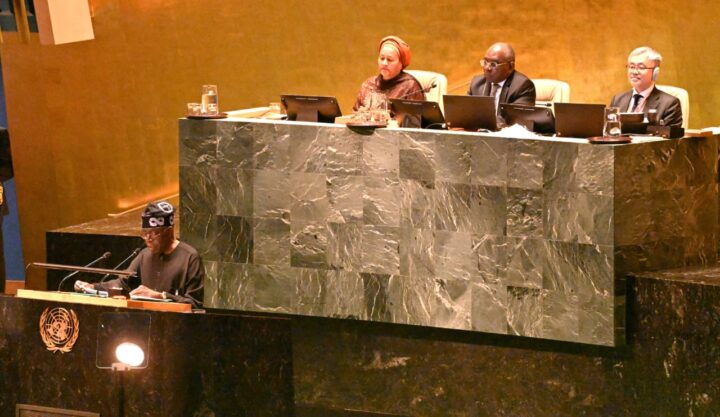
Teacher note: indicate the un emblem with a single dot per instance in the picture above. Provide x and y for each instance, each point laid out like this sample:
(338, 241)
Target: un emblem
(59, 329)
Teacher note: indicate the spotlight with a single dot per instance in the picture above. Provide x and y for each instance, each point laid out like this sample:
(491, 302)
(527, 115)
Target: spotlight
(129, 354)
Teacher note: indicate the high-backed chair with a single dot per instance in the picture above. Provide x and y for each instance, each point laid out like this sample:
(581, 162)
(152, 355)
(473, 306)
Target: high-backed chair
(551, 91)
(426, 79)
(684, 98)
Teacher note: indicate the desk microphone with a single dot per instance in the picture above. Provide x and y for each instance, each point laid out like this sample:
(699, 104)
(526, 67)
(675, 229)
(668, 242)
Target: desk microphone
(422, 90)
(458, 86)
(103, 256)
(132, 255)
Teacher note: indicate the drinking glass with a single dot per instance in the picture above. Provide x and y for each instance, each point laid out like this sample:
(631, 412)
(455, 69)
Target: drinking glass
(612, 125)
(210, 99)
(376, 105)
(194, 109)
(376, 101)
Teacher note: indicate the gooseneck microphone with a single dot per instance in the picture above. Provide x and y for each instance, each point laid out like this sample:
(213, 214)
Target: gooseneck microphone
(132, 255)
(103, 256)
(422, 90)
(458, 86)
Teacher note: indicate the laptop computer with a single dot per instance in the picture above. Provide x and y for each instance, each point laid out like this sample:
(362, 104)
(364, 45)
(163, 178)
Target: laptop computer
(417, 113)
(471, 113)
(537, 119)
(578, 120)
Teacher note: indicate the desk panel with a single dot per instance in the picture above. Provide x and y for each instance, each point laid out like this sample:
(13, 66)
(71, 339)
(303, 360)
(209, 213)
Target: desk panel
(527, 237)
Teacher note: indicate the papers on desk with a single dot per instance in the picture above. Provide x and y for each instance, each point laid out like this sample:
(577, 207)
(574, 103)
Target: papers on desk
(141, 298)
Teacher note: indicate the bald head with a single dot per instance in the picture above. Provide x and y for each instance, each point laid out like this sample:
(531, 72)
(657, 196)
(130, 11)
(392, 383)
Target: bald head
(499, 62)
(502, 50)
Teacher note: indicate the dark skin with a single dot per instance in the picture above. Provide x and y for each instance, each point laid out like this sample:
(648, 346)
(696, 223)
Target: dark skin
(158, 241)
(503, 55)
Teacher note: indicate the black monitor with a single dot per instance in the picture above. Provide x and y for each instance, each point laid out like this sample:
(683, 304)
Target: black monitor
(471, 113)
(311, 108)
(633, 123)
(417, 113)
(537, 119)
(579, 120)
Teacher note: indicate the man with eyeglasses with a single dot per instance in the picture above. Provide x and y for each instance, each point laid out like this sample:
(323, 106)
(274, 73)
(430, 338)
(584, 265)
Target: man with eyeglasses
(643, 68)
(166, 269)
(500, 80)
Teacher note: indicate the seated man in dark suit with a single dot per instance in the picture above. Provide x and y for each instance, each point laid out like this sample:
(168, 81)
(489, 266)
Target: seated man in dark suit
(500, 79)
(643, 68)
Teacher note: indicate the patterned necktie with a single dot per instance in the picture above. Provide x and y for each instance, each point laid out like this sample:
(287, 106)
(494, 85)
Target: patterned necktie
(636, 100)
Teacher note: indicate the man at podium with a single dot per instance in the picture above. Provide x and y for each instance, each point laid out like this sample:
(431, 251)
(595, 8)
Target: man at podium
(166, 269)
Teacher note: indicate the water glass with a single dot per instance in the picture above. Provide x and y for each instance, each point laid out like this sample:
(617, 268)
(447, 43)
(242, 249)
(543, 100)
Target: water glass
(376, 101)
(210, 99)
(612, 125)
(194, 109)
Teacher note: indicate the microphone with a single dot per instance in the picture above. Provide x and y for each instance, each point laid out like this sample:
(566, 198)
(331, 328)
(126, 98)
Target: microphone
(132, 255)
(422, 90)
(458, 86)
(103, 256)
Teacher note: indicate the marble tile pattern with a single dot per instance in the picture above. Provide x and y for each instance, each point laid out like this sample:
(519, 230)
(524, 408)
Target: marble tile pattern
(442, 229)
(198, 365)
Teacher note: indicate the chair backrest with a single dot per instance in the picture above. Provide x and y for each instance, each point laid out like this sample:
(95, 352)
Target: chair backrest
(684, 98)
(426, 79)
(551, 91)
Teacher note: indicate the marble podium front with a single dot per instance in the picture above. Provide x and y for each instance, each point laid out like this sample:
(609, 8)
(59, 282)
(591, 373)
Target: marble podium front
(445, 229)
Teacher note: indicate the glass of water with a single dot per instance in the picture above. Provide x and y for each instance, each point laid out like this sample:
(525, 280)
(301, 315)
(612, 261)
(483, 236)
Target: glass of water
(194, 109)
(210, 99)
(612, 125)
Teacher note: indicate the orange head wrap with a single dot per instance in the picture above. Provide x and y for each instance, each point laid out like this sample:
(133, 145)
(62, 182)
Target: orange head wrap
(402, 47)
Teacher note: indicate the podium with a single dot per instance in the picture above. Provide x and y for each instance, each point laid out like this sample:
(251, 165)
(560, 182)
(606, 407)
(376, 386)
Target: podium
(68, 297)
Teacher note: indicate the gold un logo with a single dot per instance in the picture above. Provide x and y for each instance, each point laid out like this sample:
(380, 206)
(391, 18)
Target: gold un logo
(59, 329)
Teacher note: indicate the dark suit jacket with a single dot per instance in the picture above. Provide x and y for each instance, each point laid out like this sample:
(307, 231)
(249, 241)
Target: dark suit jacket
(668, 107)
(518, 89)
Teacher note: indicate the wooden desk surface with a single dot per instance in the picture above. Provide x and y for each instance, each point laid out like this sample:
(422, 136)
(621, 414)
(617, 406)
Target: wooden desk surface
(68, 297)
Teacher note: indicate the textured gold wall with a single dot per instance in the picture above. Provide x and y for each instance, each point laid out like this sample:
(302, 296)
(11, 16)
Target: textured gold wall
(93, 124)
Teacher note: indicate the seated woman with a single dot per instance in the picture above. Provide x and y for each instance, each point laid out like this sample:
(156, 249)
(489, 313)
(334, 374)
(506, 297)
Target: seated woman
(392, 81)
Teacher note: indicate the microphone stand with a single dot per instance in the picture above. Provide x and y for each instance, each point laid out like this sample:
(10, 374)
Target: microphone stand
(103, 256)
(74, 268)
(135, 252)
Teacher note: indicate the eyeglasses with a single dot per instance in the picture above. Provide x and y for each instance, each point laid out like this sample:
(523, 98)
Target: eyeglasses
(491, 64)
(638, 68)
(153, 233)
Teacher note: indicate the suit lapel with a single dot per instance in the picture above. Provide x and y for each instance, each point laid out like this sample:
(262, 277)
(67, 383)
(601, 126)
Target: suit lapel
(624, 102)
(505, 91)
(652, 100)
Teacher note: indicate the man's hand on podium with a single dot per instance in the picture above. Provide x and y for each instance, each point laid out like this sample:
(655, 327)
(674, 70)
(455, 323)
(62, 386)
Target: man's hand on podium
(143, 291)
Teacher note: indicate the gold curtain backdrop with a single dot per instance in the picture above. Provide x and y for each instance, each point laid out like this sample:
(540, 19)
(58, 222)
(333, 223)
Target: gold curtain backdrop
(94, 124)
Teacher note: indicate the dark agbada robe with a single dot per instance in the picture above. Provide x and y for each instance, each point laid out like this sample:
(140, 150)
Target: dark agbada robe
(403, 86)
(180, 274)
